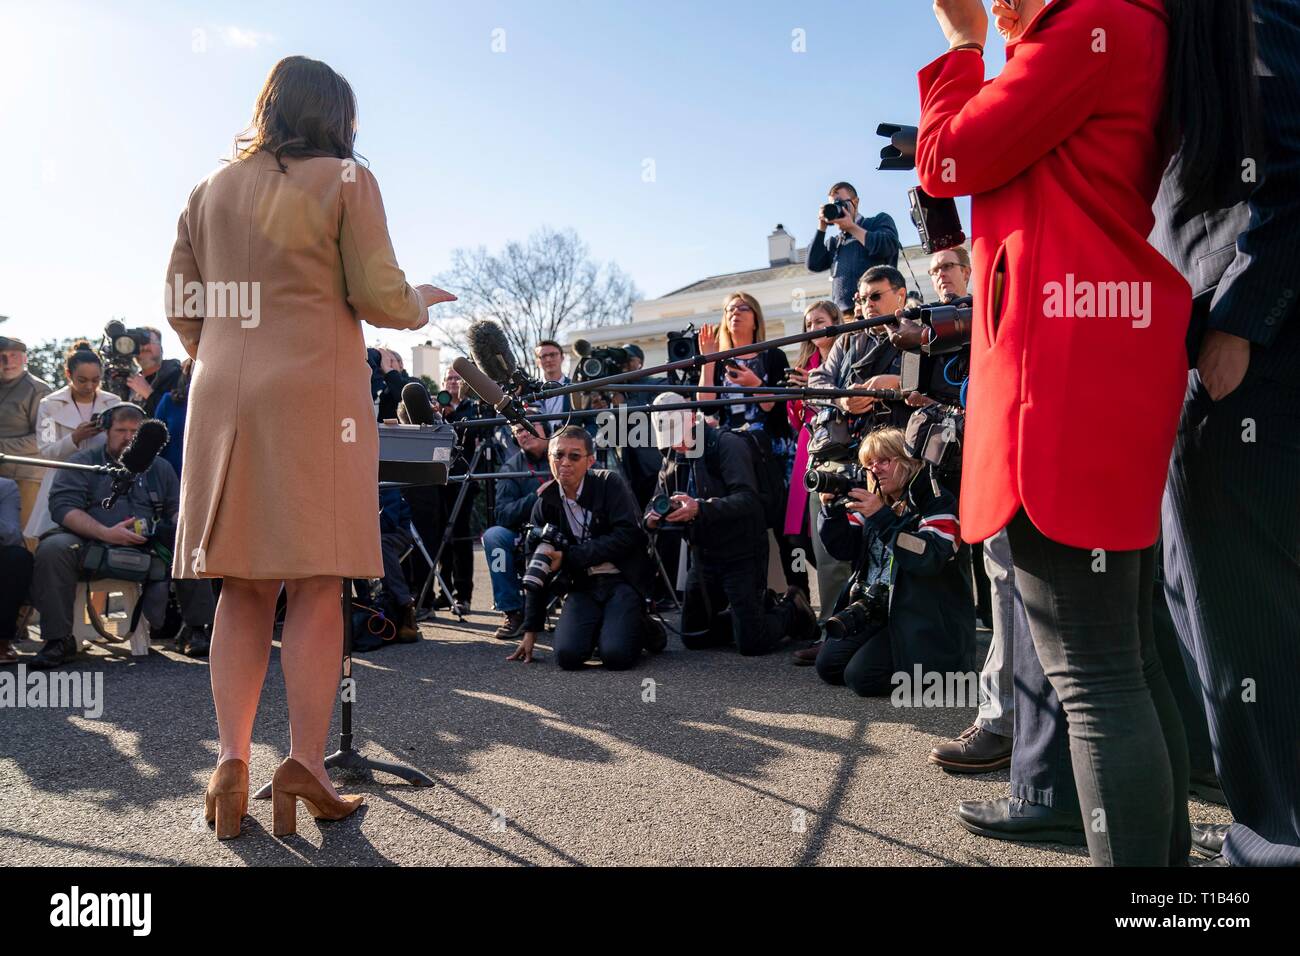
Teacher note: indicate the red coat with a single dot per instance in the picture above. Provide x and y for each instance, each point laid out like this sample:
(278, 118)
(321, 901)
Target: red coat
(1078, 365)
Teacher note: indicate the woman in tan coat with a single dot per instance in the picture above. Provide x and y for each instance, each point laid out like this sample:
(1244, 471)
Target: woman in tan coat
(280, 256)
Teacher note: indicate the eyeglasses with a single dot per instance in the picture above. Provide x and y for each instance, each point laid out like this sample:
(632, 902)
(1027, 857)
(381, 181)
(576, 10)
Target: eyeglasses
(573, 456)
(739, 307)
(878, 464)
(944, 267)
(550, 354)
(873, 297)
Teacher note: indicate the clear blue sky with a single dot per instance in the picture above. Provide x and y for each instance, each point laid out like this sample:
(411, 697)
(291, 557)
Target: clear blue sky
(114, 110)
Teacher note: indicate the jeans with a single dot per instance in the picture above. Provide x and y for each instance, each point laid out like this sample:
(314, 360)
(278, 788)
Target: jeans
(394, 544)
(607, 615)
(1091, 628)
(997, 679)
(499, 546)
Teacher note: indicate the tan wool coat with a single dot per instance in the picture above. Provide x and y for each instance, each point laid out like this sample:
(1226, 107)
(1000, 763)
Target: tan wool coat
(281, 447)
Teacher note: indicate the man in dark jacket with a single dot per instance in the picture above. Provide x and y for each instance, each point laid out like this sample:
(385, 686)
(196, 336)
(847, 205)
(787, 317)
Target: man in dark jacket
(157, 375)
(604, 556)
(1231, 512)
(861, 243)
(514, 506)
(710, 480)
(76, 503)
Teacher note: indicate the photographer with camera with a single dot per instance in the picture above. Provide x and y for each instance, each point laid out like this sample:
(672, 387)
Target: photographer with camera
(67, 421)
(590, 537)
(914, 609)
(387, 379)
(868, 359)
(143, 518)
(514, 506)
(708, 489)
(157, 376)
(859, 244)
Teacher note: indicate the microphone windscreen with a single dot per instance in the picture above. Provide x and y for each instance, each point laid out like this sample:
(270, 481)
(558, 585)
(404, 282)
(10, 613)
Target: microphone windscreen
(581, 348)
(145, 446)
(482, 386)
(490, 350)
(419, 410)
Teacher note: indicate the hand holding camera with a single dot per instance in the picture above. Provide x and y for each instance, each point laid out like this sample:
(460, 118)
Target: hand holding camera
(86, 430)
(123, 533)
(863, 502)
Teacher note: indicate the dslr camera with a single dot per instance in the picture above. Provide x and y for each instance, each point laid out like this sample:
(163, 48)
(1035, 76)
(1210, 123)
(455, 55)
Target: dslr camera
(837, 480)
(549, 539)
(836, 209)
(869, 611)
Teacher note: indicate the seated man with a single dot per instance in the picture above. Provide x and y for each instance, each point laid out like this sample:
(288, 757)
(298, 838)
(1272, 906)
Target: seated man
(515, 500)
(713, 494)
(15, 567)
(603, 554)
(76, 505)
(394, 541)
(914, 607)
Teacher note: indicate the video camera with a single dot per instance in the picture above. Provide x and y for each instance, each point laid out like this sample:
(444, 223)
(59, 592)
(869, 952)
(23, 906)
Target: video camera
(118, 352)
(937, 221)
(593, 363)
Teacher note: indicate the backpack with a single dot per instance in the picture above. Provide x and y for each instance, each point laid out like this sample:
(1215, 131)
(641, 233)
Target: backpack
(769, 472)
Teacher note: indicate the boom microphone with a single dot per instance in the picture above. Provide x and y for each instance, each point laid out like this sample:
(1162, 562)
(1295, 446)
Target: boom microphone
(490, 349)
(415, 401)
(138, 456)
(490, 392)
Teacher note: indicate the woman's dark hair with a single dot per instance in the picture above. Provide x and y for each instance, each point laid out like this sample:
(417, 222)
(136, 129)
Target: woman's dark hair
(80, 353)
(1212, 99)
(304, 109)
(181, 392)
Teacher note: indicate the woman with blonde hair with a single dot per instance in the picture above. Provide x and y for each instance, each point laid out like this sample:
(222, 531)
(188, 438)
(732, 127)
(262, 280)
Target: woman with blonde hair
(281, 446)
(927, 618)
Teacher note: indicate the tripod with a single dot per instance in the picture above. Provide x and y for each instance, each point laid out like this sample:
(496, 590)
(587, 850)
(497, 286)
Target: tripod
(448, 533)
(345, 757)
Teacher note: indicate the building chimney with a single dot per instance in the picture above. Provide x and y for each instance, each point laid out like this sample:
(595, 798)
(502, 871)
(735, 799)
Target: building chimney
(426, 359)
(780, 247)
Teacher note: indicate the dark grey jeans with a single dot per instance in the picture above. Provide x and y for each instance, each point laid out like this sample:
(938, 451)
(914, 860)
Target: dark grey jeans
(1093, 634)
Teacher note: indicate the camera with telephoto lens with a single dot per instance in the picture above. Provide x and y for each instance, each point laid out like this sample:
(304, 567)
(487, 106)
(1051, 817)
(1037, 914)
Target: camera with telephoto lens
(837, 480)
(118, 352)
(538, 576)
(868, 612)
(836, 209)
(663, 505)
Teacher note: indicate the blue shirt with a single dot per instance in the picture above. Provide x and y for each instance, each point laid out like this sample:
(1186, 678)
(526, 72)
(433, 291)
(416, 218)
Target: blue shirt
(848, 259)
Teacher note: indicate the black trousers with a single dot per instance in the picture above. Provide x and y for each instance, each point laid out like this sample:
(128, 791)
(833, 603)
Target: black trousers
(16, 564)
(606, 615)
(1232, 572)
(1093, 635)
(430, 509)
(862, 661)
(728, 602)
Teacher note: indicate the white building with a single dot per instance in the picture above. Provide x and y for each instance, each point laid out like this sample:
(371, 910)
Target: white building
(426, 359)
(784, 288)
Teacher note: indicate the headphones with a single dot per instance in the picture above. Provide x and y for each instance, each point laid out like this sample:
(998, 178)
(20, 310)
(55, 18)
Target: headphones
(107, 415)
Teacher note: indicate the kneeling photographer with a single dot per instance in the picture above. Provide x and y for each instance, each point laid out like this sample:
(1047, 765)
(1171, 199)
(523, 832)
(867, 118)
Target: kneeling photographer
(592, 546)
(915, 607)
(711, 493)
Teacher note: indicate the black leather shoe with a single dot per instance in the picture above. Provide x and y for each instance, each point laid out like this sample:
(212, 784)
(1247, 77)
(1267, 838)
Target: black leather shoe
(53, 654)
(1207, 838)
(194, 641)
(1205, 785)
(975, 751)
(806, 656)
(655, 638)
(803, 622)
(1010, 818)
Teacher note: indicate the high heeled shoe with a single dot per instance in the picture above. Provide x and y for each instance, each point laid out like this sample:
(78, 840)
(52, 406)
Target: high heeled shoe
(294, 782)
(226, 801)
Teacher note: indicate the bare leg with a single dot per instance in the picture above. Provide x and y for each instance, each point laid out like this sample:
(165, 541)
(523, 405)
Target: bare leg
(311, 651)
(241, 647)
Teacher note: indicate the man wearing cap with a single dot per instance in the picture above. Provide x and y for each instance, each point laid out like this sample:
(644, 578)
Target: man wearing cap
(20, 397)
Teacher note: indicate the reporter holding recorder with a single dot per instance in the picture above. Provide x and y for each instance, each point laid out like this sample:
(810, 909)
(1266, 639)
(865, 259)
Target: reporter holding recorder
(274, 491)
(1062, 154)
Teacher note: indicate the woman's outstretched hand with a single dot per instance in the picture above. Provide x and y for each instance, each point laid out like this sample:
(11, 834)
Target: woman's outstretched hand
(962, 21)
(432, 295)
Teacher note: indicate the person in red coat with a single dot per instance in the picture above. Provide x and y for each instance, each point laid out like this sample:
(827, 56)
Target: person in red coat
(1078, 364)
